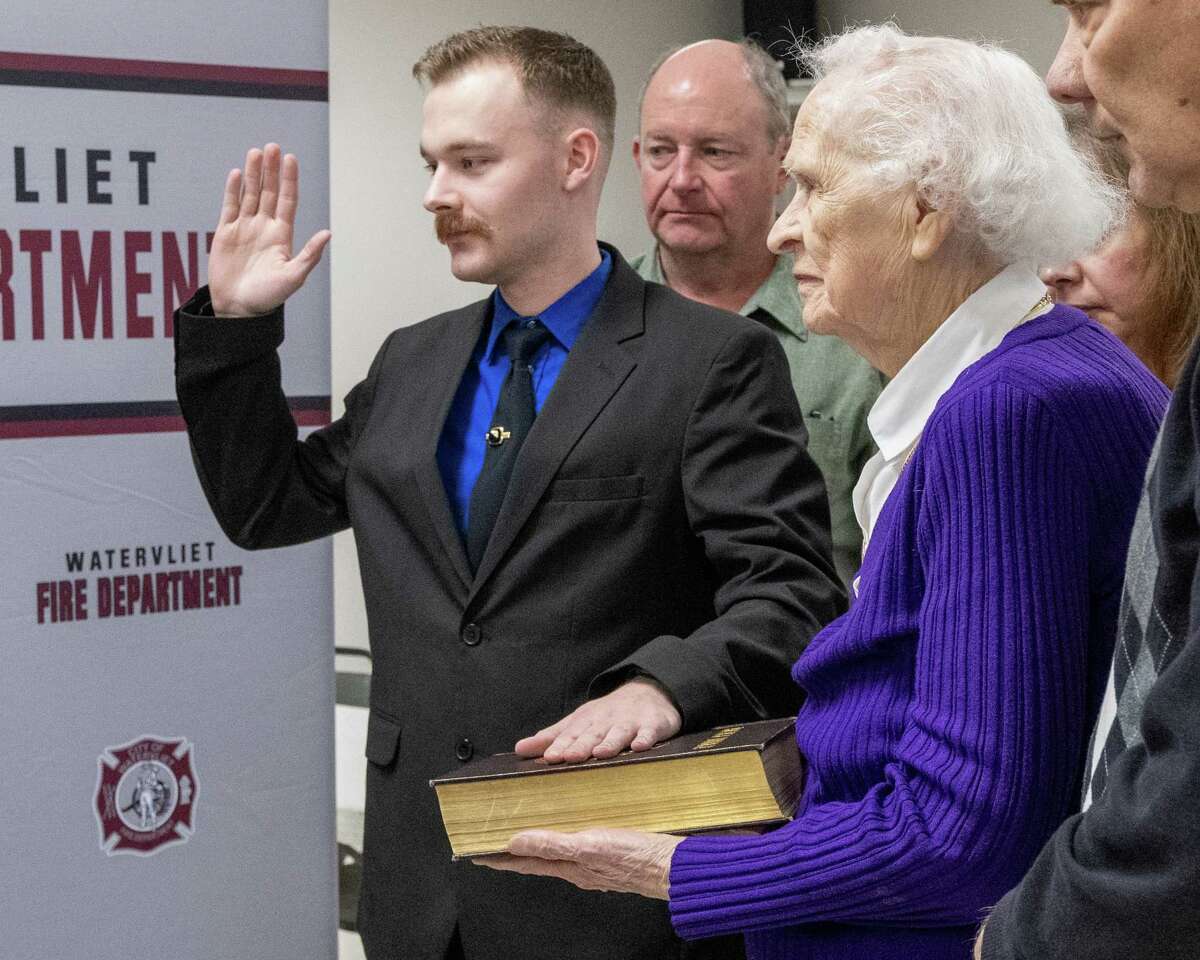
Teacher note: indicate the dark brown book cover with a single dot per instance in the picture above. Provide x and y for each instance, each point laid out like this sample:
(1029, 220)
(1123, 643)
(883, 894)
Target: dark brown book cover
(735, 736)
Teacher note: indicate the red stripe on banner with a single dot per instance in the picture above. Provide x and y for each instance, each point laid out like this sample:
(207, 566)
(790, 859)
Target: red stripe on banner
(19, 430)
(163, 69)
(99, 426)
(311, 418)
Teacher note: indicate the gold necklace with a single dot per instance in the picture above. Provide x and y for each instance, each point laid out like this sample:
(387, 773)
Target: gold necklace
(1047, 300)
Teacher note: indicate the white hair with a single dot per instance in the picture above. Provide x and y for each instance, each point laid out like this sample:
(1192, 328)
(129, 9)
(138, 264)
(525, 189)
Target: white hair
(972, 126)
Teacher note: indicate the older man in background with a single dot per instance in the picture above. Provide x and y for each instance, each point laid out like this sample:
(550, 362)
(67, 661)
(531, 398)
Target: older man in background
(714, 129)
(1122, 879)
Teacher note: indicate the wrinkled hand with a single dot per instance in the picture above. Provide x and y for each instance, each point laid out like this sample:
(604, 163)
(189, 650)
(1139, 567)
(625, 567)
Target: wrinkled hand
(637, 714)
(618, 861)
(251, 269)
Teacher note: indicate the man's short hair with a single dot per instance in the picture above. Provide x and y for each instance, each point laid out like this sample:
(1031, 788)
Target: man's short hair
(557, 69)
(764, 73)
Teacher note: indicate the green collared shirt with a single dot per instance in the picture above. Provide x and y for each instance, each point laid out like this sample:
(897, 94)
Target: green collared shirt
(836, 389)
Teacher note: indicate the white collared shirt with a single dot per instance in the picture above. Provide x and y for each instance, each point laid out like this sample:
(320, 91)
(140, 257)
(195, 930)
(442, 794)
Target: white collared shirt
(899, 415)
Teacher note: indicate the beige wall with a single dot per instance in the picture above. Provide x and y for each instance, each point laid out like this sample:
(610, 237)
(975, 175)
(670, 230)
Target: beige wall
(387, 270)
(1032, 28)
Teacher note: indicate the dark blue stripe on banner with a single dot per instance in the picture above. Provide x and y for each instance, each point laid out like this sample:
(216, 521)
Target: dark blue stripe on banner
(186, 87)
(110, 411)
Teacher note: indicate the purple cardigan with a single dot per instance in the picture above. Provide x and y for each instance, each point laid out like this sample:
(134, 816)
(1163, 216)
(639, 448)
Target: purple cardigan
(947, 713)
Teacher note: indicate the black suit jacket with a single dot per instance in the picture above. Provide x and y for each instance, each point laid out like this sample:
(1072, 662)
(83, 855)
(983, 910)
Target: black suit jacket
(663, 518)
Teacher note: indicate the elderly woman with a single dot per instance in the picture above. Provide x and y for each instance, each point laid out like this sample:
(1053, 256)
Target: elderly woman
(946, 713)
(1143, 283)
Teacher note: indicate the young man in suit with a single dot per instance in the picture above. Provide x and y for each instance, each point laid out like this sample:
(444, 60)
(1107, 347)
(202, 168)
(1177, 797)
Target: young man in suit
(584, 512)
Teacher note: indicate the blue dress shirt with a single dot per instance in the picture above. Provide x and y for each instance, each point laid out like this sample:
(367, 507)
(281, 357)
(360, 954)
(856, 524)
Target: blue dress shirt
(462, 446)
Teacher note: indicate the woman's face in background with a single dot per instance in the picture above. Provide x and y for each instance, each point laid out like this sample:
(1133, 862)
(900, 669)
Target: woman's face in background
(1113, 285)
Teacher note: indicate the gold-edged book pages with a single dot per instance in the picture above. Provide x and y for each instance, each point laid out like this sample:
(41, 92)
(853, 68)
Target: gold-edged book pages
(738, 775)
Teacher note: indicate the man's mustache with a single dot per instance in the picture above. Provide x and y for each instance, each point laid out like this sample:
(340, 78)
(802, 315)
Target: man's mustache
(447, 225)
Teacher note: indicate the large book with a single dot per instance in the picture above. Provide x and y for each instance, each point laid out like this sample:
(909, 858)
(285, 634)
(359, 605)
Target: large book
(740, 775)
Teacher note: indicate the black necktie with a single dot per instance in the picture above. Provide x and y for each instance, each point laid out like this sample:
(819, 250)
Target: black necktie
(510, 425)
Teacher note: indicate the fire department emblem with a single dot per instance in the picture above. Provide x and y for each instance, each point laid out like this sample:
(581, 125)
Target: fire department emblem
(146, 796)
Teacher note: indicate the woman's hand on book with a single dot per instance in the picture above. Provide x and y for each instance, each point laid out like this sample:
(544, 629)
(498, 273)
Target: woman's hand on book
(616, 861)
(638, 714)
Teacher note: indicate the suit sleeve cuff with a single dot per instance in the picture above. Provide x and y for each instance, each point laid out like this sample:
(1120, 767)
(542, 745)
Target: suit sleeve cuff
(202, 336)
(678, 667)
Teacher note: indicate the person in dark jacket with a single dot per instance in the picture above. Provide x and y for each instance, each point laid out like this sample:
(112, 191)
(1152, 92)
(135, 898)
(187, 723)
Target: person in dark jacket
(1122, 878)
(584, 512)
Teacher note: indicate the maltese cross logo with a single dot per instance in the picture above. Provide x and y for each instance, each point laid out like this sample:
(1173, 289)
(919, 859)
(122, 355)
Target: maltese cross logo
(146, 796)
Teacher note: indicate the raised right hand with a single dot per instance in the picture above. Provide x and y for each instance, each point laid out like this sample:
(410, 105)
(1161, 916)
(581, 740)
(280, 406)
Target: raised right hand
(251, 270)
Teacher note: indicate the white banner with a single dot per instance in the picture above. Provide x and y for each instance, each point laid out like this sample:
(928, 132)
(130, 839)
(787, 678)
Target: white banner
(166, 699)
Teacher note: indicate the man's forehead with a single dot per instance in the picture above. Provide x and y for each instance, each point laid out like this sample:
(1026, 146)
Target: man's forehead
(702, 110)
(707, 72)
(695, 125)
(475, 90)
(478, 106)
(700, 65)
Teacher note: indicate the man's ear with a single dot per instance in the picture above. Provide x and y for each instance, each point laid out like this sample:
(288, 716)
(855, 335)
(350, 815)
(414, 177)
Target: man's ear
(583, 158)
(929, 227)
(637, 152)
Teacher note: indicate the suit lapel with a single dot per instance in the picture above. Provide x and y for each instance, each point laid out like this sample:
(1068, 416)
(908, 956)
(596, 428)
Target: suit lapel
(446, 372)
(596, 367)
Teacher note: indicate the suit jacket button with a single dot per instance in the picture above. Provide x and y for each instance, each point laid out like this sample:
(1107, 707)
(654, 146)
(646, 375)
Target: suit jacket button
(464, 750)
(471, 635)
